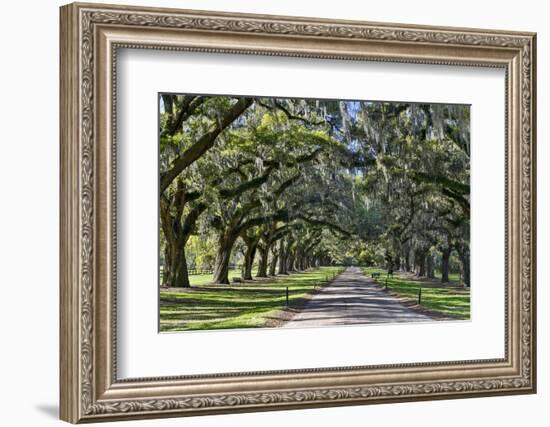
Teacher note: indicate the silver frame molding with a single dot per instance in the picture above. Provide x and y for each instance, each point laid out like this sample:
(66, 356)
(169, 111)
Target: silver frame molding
(90, 37)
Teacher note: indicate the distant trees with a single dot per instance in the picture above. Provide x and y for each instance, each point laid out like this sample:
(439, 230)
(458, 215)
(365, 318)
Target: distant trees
(421, 180)
(298, 183)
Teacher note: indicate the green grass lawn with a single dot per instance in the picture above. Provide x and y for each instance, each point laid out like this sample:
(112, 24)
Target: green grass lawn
(203, 279)
(446, 299)
(249, 305)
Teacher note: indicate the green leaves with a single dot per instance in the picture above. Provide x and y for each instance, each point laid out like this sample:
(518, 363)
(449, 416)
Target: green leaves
(356, 175)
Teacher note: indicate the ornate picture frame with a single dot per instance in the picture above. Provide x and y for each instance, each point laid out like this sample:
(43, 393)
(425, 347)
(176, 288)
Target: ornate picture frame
(90, 37)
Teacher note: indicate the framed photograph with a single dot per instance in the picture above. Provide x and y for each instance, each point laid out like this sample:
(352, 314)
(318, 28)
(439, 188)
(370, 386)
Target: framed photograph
(267, 212)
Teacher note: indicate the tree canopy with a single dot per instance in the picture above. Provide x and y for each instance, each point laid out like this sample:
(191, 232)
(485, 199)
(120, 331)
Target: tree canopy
(288, 184)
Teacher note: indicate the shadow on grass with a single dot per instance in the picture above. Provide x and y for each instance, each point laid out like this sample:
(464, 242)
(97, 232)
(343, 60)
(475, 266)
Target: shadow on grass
(446, 299)
(229, 306)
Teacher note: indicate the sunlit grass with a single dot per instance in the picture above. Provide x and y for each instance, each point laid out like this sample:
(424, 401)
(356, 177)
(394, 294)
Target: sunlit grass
(446, 299)
(248, 305)
(201, 279)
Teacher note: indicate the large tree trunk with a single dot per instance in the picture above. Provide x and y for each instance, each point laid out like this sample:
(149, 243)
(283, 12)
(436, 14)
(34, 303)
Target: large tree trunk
(169, 230)
(290, 261)
(422, 268)
(177, 234)
(175, 265)
(168, 267)
(464, 255)
(273, 264)
(249, 255)
(282, 258)
(298, 259)
(389, 261)
(289, 266)
(397, 262)
(262, 265)
(180, 278)
(221, 266)
(408, 261)
(420, 261)
(445, 256)
(165, 264)
(175, 273)
(430, 267)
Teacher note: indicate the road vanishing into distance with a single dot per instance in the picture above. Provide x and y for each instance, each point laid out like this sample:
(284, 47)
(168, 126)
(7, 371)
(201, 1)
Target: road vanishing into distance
(353, 299)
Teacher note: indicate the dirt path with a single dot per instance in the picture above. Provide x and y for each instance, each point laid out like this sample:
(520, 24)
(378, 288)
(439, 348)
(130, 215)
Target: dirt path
(352, 299)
